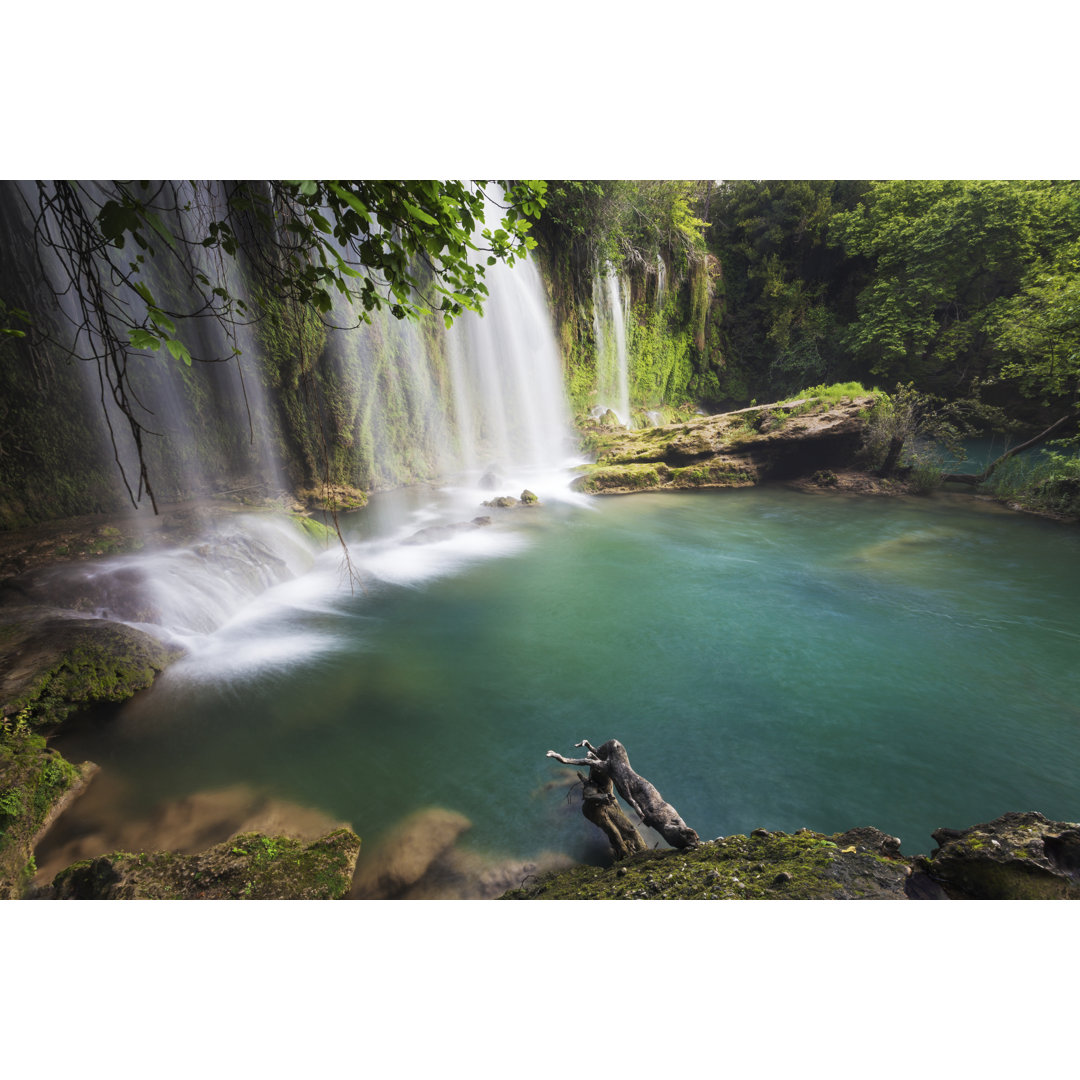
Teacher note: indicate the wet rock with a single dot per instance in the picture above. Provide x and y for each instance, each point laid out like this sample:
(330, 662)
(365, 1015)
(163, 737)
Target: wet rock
(490, 480)
(502, 501)
(866, 838)
(1018, 856)
(528, 498)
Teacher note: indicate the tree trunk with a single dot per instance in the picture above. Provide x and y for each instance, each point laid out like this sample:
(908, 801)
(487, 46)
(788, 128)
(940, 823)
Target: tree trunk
(611, 760)
(896, 445)
(603, 810)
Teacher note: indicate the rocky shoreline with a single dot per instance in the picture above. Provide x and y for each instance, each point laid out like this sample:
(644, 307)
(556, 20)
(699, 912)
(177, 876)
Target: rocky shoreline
(1018, 856)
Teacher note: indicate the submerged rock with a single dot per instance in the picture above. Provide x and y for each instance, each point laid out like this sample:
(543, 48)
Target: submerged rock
(250, 866)
(433, 534)
(404, 856)
(1018, 856)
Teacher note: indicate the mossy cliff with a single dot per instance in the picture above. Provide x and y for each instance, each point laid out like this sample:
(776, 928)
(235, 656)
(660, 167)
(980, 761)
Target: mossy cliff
(1019, 856)
(35, 785)
(785, 440)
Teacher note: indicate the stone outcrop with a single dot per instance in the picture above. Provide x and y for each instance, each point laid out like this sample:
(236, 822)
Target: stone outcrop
(782, 441)
(1018, 856)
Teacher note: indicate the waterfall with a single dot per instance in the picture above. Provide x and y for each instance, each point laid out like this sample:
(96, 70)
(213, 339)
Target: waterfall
(611, 312)
(385, 403)
(389, 402)
(509, 400)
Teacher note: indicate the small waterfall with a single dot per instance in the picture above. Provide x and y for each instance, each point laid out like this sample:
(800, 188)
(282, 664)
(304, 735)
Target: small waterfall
(509, 401)
(611, 312)
(661, 280)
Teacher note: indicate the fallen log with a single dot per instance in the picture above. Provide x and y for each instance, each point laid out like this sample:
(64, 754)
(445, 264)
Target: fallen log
(611, 761)
(600, 806)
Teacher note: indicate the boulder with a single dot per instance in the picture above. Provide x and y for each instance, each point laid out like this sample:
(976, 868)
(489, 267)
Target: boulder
(250, 866)
(1018, 856)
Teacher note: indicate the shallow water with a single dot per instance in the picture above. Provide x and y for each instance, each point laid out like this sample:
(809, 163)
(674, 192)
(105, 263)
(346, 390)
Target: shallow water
(768, 657)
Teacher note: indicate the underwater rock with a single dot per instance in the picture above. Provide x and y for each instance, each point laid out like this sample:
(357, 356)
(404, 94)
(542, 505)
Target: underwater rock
(1018, 856)
(406, 854)
(435, 533)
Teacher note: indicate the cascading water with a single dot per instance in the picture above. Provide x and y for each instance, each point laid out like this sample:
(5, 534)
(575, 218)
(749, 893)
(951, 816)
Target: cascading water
(416, 402)
(611, 309)
(509, 401)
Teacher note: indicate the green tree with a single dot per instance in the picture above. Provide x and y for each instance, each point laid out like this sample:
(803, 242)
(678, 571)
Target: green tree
(949, 260)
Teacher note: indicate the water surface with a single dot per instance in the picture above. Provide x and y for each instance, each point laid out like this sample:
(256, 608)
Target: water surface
(768, 657)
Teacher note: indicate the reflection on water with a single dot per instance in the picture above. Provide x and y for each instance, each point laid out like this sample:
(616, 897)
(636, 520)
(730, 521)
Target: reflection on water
(768, 657)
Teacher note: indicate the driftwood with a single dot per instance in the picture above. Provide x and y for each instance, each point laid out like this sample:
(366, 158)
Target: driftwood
(611, 762)
(601, 807)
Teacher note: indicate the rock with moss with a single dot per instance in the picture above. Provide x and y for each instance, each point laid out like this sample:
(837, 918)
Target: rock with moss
(859, 865)
(36, 784)
(55, 666)
(251, 866)
(528, 498)
(502, 502)
(782, 441)
(1018, 856)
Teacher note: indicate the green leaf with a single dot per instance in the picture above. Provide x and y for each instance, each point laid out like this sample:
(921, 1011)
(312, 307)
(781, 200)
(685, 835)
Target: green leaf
(179, 350)
(416, 212)
(143, 339)
(347, 196)
(308, 187)
(162, 322)
(320, 222)
(145, 293)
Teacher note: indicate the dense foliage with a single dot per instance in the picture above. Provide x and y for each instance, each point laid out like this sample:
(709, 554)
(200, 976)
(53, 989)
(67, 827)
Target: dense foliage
(951, 285)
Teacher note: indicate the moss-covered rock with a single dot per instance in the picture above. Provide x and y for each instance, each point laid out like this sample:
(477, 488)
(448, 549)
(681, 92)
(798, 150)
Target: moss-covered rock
(35, 784)
(250, 866)
(738, 449)
(54, 666)
(860, 865)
